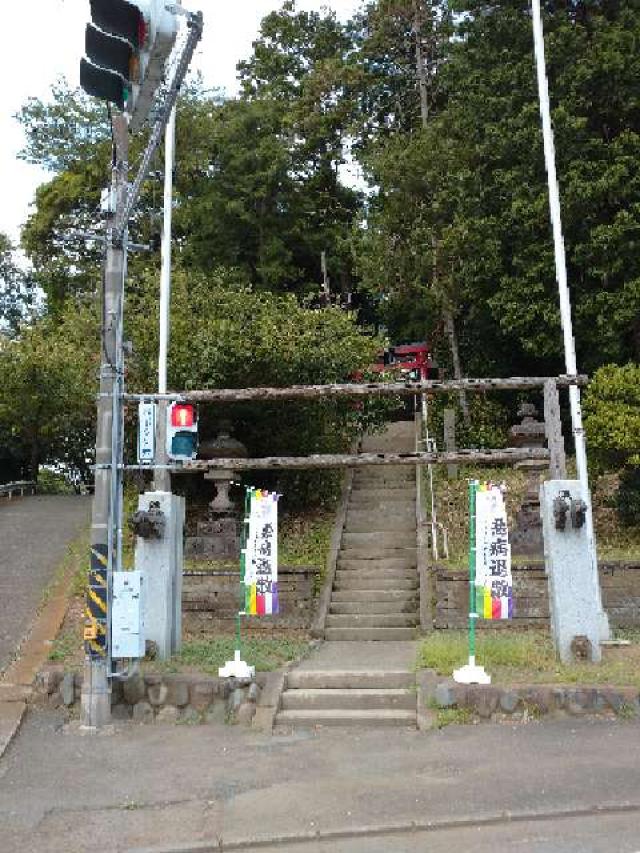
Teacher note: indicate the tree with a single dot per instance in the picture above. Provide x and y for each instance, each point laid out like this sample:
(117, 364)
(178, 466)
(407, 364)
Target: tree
(48, 381)
(16, 289)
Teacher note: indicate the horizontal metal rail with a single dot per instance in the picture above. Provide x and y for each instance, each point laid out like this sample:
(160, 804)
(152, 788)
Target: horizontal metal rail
(349, 460)
(22, 486)
(358, 389)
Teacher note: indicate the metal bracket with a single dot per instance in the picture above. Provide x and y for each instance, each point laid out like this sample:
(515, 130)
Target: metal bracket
(578, 513)
(561, 509)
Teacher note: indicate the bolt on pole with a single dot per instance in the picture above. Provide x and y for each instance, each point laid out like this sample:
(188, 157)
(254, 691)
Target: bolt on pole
(96, 690)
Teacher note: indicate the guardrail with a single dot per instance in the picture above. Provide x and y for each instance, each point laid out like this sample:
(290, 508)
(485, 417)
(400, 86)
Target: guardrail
(21, 486)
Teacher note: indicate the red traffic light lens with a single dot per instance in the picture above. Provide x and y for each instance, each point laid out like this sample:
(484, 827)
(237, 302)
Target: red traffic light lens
(183, 415)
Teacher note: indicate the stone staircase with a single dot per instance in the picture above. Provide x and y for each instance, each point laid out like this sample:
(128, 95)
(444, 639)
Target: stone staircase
(347, 698)
(350, 680)
(375, 591)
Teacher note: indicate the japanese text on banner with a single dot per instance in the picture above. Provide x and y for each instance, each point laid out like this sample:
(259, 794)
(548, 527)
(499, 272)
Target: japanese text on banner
(494, 583)
(261, 555)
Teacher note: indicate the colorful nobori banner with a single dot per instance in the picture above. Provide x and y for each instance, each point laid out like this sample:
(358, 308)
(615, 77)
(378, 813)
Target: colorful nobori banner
(260, 563)
(493, 581)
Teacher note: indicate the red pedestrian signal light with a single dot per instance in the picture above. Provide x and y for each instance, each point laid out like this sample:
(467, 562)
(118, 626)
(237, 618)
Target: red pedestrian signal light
(182, 431)
(182, 415)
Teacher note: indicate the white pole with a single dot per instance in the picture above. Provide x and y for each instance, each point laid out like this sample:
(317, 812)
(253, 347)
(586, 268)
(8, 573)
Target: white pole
(162, 477)
(165, 274)
(561, 276)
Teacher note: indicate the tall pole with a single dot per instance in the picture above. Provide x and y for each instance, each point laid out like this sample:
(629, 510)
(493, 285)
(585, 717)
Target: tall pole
(563, 290)
(162, 477)
(96, 691)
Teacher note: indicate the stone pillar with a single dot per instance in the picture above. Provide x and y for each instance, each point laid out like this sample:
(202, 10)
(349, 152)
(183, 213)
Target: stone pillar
(526, 538)
(218, 537)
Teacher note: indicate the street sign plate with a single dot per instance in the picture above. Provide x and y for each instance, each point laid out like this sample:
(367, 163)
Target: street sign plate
(146, 433)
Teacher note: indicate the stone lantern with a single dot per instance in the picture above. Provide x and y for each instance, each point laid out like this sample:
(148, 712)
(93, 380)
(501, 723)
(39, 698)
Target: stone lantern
(529, 433)
(219, 536)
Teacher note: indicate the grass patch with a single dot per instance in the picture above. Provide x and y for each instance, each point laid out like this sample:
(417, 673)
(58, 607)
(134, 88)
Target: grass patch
(65, 647)
(615, 540)
(266, 654)
(305, 539)
(524, 657)
(453, 716)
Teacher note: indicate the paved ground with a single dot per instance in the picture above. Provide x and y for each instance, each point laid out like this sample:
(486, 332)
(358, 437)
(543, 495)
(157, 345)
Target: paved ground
(189, 787)
(34, 535)
(361, 656)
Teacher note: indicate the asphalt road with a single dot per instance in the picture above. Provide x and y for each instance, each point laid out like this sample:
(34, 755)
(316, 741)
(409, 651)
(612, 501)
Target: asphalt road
(563, 786)
(34, 535)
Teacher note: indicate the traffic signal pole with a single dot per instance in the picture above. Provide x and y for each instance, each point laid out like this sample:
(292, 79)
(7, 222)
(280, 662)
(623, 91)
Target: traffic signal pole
(162, 476)
(96, 689)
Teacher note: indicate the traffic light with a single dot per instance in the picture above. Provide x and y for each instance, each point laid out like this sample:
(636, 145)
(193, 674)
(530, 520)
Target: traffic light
(182, 431)
(127, 46)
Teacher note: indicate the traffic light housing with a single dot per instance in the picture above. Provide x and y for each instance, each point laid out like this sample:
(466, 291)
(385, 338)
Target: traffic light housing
(182, 431)
(127, 46)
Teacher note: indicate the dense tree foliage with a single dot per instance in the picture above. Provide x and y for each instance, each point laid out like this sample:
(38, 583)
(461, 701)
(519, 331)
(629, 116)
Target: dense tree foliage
(437, 99)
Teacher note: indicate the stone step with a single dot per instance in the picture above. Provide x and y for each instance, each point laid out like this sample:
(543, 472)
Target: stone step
(372, 572)
(370, 552)
(374, 582)
(360, 596)
(349, 678)
(346, 717)
(364, 522)
(382, 482)
(375, 564)
(365, 634)
(374, 620)
(408, 604)
(358, 699)
(379, 540)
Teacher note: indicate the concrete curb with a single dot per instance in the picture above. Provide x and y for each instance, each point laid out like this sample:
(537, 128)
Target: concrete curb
(380, 830)
(33, 652)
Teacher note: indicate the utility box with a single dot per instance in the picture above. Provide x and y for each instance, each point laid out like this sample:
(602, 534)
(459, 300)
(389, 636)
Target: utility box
(160, 560)
(127, 623)
(578, 621)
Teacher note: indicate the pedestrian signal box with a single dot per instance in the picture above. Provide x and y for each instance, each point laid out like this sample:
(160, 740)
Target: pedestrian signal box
(182, 431)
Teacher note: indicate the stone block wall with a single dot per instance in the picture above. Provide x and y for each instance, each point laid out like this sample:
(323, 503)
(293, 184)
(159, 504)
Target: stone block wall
(619, 581)
(216, 594)
(162, 698)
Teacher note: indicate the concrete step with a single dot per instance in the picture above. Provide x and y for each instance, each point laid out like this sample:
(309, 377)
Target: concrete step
(371, 620)
(372, 553)
(374, 582)
(379, 574)
(374, 565)
(379, 540)
(359, 699)
(361, 595)
(364, 522)
(381, 482)
(408, 604)
(376, 634)
(345, 717)
(349, 678)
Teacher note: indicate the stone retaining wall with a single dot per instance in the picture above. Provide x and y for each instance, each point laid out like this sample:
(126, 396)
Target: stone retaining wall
(155, 697)
(216, 594)
(620, 584)
(528, 701)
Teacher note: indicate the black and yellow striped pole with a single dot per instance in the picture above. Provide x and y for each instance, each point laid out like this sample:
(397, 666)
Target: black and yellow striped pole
(96, 625)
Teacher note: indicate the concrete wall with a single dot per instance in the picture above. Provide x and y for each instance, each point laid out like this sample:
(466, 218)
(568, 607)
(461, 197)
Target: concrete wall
(619, 581)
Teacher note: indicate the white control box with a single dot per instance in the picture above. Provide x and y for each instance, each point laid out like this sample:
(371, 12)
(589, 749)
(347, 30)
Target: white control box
(127, 626)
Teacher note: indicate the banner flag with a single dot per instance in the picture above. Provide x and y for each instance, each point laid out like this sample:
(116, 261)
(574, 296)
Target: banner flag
(261, 555)
(494, 583)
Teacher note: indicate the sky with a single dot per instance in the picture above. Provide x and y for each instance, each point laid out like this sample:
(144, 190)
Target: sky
(44, 40)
